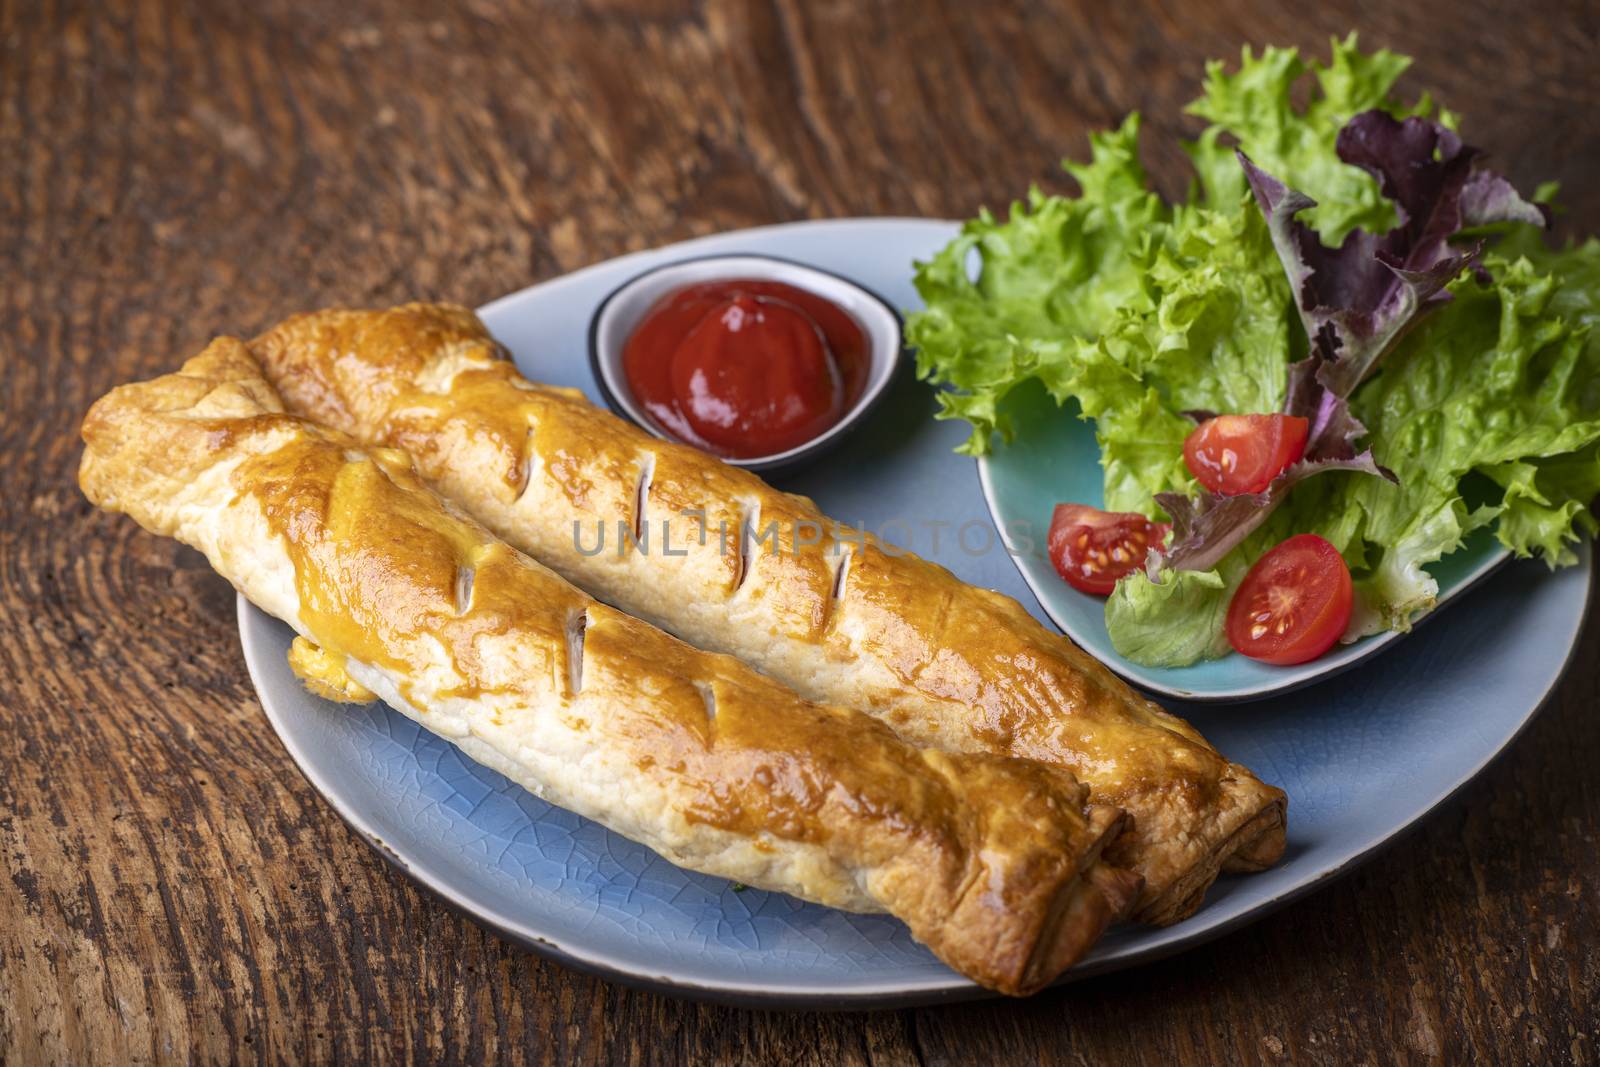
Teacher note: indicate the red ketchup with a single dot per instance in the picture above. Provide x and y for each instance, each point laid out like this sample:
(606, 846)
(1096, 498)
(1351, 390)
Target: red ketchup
(746, 368)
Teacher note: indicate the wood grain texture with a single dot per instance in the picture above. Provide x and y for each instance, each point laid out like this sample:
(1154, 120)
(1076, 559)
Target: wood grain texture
(174, 890)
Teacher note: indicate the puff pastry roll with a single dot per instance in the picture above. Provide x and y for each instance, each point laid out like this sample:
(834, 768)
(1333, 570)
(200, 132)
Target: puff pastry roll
(713, 554)
(991, 862)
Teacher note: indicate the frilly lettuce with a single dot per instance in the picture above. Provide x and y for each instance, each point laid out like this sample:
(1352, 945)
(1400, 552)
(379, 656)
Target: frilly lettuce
(1252, 108)
(1500, 384)
(1146, 311)
(1058, 270)
(1355, 300)
(1174, 623)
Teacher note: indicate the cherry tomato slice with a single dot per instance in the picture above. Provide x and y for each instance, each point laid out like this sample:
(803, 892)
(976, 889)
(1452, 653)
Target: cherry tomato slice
(1092, 549)
(1293, 605)
(1242, 453)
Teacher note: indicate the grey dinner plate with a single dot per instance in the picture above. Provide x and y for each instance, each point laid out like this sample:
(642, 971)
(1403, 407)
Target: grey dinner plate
(1363, 756)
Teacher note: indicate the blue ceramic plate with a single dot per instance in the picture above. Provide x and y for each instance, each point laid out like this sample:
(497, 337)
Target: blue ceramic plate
(1362, 757)
(1054, 459)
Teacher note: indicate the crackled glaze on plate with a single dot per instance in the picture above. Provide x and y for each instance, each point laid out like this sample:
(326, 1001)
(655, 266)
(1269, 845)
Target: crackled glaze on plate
(1362, 756)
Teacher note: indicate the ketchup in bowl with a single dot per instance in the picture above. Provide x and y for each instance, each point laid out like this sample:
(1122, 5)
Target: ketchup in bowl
(746, 368)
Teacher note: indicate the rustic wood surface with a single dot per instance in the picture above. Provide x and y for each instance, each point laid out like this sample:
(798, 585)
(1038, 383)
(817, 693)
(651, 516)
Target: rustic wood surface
(169, 170)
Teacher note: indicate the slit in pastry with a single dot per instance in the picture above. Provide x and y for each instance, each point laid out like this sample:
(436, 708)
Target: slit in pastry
(641, 495)
(749, 520)
(841, 575)
(709, 696)
(576, 627)
(526, 466)
(466, 576)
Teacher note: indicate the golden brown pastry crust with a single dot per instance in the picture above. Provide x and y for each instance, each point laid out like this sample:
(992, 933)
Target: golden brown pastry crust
(325, 673)
(840, 617)
(992, 862)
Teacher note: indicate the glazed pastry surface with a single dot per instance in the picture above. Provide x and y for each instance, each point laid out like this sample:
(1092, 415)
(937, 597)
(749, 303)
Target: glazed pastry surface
(711, 553)
(993, 863)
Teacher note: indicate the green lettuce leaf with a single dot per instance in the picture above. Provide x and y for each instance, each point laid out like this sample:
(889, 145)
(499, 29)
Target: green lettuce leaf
(1058, 270)
(1254, 109)
(1355, 301)
(1543, 511)
(1021, 299)
(1499, 383)
(1173, 624)
(1145, 312)
(1209, 336)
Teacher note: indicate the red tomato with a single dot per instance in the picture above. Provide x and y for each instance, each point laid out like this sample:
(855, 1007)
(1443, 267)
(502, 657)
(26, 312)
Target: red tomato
(1293, 605)
(1092, 549)
(1242, 453)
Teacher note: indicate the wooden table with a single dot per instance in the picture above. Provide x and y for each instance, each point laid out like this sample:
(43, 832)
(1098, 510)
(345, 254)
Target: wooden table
(173, 170)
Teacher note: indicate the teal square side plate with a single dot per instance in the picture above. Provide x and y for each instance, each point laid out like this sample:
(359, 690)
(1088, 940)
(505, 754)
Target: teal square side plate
(1053, 458)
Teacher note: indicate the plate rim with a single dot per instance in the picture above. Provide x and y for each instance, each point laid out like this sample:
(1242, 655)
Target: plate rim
(820, 996)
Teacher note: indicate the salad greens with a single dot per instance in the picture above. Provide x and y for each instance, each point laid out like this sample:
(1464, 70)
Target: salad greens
(1355, 301)
(1443, 347)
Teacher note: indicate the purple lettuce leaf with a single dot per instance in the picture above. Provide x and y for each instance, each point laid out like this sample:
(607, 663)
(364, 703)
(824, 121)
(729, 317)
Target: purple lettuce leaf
(1355, 301)
(1208, 527)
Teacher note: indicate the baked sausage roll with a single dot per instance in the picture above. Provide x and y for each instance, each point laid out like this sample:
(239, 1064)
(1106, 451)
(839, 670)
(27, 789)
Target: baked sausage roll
(711, 553)
(992, 862)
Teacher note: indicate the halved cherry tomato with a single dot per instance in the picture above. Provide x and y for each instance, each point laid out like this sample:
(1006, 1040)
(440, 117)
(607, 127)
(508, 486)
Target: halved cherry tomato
(1092, 549)
(1293, 605)
(1243, 453)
